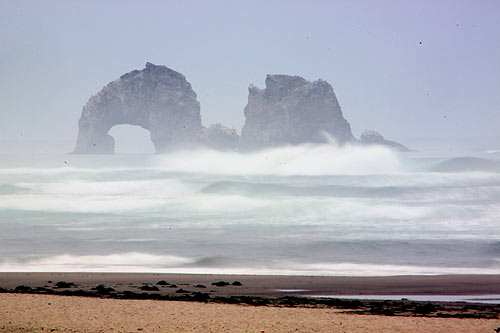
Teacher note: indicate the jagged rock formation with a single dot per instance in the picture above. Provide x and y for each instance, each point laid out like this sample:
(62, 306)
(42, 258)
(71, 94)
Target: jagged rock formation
(220, 137)
(156, 98)
(292, 110)
(370, 137)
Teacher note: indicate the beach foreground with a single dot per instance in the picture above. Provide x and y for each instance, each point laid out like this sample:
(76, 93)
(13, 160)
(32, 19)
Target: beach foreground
(36, 302)
(40, 313)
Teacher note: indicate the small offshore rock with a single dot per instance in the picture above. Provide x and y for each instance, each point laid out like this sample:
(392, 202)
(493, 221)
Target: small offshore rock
(370, 137)
(220, 137)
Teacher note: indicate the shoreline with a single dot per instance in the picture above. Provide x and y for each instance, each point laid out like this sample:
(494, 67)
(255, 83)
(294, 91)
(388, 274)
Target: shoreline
(271, 285)
(434, 296)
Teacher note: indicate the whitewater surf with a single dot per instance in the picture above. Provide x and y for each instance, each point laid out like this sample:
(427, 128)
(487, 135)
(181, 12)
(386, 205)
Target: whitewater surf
(308, 209)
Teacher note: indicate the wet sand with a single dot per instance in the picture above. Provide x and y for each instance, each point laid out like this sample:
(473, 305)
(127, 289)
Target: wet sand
(271, 285)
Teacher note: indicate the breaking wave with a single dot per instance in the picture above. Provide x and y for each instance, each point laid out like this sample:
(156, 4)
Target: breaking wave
(467, 164)
(307, 160)
(309, 209)
(148, 263)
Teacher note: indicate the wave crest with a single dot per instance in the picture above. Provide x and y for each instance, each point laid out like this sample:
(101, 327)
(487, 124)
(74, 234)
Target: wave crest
(307, 160)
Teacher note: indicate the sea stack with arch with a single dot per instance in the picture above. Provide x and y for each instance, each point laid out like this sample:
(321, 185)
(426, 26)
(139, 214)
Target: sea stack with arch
(289, 111)
(156, 98)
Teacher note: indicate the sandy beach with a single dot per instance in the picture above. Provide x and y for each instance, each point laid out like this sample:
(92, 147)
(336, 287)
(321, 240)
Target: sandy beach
(44, 313)
(21, 312)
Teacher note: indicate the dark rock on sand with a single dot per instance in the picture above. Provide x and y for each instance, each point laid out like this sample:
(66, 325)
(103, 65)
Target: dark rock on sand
(162, 283)
(200, 297)
(370, 137)
(237, 283)
(250, 300)
(292, 110)
(425, 309)
(220, 284)
(131, 295)
(156, 98)
(149, 288)
(103, 290)
(23, 289)
(64, 284)
(44, 290)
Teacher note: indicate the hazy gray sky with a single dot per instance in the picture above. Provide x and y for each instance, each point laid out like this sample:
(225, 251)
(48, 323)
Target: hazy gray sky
(405, 68)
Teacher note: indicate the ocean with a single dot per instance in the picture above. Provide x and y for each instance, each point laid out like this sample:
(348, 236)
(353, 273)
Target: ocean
(306, 210)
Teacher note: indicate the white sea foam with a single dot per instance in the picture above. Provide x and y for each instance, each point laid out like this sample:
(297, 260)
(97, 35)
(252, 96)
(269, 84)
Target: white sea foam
(492, 151)
(260, 211)
(93, 204)
(351, 269)
(123, 262)
(98, 197)
(321, 159)
(149, 263)
(37, 171)
(164, 188)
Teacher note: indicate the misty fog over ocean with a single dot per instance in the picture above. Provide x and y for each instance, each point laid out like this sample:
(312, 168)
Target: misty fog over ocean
(427, 70)
(308, 209)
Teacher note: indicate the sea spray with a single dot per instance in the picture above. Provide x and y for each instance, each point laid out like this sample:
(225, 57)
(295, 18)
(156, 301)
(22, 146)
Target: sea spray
(306, 159)
(309, 209)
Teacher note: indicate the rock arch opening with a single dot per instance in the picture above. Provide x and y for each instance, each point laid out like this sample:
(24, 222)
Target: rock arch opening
(156, 98)
(130, 139)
